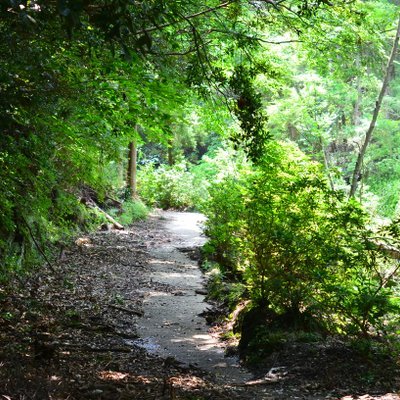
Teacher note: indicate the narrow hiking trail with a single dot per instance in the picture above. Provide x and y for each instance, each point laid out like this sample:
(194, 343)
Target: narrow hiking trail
(117, 318)
(172, 323)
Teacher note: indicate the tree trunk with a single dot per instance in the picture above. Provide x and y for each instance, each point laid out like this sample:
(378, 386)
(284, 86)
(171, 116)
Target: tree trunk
(326, 163)
(115, 223)
(170, 153)
(132, 169)
(378, 104)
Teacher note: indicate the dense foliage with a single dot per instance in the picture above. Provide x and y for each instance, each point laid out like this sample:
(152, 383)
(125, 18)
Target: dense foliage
(81, 80)
(300, 247)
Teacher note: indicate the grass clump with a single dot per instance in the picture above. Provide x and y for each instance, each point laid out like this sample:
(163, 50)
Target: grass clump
(132, 210)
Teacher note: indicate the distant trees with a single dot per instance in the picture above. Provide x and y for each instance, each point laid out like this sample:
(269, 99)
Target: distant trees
(378, 105)
(324, 99)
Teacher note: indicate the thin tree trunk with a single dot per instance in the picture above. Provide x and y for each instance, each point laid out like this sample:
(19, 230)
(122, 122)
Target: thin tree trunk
(357, 105)
(325, 154)
(132, 167)
(327, 167)
(378, 104)
(170, 153)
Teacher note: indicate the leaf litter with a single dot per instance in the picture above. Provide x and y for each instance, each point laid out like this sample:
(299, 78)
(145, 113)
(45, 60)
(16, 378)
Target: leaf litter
(72, 334)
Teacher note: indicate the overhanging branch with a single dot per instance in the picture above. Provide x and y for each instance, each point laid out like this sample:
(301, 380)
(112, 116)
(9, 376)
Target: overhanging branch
(185, 18)
(255, 38)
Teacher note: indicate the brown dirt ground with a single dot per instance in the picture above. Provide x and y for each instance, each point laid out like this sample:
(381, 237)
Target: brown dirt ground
(67, 334)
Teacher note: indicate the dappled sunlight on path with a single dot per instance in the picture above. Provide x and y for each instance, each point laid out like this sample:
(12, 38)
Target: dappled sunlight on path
(171, 315)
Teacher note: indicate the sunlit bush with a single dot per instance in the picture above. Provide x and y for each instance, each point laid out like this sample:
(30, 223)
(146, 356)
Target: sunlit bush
(300, 247)
(170, 187)
(132, 210)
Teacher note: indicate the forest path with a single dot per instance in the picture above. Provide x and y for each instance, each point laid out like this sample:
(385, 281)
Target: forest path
(172, 325)
(71, 332)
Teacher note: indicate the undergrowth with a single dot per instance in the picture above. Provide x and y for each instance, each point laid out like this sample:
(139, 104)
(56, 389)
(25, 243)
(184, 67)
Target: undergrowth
(132, 210)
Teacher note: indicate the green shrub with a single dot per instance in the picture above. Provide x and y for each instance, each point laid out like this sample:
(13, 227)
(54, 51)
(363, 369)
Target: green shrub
(186, 186)
(170, 187)
(228, 293)
(225, 225)
(299, 246)
(133, 210)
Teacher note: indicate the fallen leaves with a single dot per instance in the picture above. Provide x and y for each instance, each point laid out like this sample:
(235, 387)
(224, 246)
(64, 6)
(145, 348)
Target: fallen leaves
(75, 337)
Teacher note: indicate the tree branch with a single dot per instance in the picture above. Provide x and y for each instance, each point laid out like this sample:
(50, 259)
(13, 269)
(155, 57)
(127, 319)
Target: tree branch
(185, 18)
(390, 251)
(255, 38)
(37, 245)
(173, 53)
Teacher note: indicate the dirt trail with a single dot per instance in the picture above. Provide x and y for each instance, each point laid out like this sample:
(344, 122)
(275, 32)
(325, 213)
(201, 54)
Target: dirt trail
(71, 332)
(171, 325)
